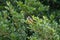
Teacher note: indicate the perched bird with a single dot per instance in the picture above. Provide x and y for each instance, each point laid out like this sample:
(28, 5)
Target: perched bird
(29, 20)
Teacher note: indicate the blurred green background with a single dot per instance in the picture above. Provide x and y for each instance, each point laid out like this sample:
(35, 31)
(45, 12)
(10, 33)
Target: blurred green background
(29, 19)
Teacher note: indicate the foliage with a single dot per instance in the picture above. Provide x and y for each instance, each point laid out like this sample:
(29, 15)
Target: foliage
(29, 20)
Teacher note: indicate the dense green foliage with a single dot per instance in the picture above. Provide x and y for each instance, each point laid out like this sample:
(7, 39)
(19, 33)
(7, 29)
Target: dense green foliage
(29, 19)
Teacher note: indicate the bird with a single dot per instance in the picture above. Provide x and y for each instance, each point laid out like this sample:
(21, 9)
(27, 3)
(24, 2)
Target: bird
(29, 20)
